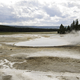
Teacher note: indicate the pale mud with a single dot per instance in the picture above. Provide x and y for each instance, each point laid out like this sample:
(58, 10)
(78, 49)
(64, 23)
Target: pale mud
(23, 63)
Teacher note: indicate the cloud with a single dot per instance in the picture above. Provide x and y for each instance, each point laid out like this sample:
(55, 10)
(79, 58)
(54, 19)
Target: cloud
(34, 12)
(52, 11)
(6, 14)
(73, 4)
(21, 12)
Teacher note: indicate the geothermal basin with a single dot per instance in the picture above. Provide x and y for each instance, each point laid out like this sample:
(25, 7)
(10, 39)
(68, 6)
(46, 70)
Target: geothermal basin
(39, 56)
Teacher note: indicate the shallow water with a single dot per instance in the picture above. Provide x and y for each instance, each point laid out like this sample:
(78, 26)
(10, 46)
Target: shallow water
(43, 42)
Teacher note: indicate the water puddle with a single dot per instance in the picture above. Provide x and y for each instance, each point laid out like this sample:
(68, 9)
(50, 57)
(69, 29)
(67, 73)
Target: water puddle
(43, 42)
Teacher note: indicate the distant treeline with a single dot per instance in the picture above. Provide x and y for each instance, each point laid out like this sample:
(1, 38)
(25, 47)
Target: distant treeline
(4, 28)
(74, 26)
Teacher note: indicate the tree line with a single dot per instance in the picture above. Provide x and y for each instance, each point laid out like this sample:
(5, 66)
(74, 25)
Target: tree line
(4, 28)
(74, 26)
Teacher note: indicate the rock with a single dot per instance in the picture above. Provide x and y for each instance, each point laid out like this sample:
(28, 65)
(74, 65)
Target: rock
(10, 49)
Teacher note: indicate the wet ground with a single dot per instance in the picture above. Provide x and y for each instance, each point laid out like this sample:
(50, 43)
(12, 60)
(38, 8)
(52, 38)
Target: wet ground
(37, 63)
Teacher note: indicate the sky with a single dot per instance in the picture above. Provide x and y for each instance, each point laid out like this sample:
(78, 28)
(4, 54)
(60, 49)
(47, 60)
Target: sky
(39, 12)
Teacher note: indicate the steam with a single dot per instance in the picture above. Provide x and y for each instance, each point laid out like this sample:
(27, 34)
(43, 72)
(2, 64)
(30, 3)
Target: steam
(73, 37)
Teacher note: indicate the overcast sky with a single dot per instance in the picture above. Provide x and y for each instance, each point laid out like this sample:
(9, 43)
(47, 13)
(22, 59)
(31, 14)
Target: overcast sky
(39, 12)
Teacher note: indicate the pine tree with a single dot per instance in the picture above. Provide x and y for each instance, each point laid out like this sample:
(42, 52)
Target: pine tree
(62, 29)
(77, 23)
(68, 29)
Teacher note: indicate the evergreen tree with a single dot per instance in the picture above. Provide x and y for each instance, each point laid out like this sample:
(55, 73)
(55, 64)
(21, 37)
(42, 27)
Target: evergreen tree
(77, 23)
(62, 29)
(73, 25)
(68, 29)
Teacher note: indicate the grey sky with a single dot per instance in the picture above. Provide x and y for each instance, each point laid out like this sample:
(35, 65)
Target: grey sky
(39, 12)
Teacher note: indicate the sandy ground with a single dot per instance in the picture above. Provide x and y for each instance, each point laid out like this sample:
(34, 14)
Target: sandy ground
(50, 63)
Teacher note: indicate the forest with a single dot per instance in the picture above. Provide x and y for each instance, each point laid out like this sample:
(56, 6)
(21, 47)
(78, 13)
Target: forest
(62, 29)
(5, 28)
(74, 26)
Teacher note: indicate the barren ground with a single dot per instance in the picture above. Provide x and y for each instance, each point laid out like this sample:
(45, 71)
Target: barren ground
(63, 60)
